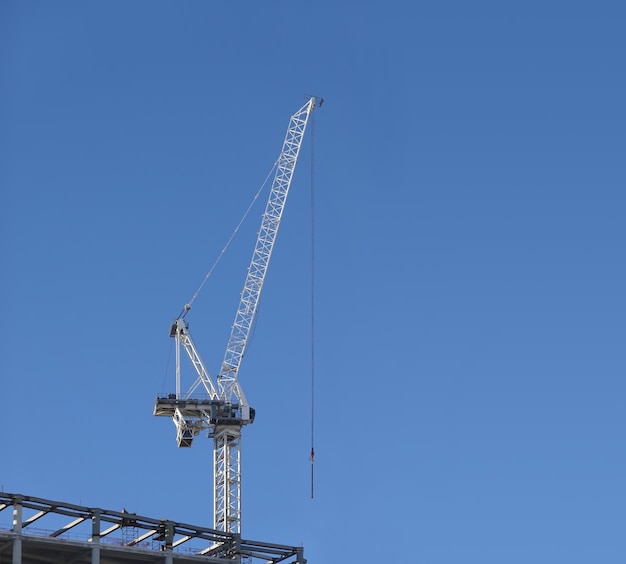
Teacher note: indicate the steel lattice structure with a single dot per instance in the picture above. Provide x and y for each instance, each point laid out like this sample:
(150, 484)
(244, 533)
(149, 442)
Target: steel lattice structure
(227, 377)
(223, 410)
(42, 531)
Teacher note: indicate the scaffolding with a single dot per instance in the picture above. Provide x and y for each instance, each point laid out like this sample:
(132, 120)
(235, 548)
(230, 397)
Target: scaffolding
(89, 535)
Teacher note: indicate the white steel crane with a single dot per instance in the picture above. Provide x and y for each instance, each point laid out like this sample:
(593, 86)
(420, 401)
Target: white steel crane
(223, 409)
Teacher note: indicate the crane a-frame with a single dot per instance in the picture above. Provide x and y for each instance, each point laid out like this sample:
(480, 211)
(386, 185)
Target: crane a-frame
(223, 409)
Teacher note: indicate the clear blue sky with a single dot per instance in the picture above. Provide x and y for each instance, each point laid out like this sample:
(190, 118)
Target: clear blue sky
(470, 201)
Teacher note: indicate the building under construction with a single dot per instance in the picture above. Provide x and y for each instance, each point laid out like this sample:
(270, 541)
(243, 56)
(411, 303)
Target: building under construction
(43, 531)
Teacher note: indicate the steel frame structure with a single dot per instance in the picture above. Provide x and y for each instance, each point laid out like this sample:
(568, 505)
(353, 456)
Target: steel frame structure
(89, 535)
(223, 409)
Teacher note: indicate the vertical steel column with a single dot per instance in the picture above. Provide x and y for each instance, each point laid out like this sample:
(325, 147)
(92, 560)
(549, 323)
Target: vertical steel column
(95, 537)
(17, 530)
(169, 541)
(236, 549)
(178, 364)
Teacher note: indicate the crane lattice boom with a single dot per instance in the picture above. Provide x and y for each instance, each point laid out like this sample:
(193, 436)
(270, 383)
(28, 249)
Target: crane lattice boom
(240, 332)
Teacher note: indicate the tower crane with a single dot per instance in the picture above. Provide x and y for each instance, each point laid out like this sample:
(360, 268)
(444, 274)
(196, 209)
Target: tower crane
(221, 408)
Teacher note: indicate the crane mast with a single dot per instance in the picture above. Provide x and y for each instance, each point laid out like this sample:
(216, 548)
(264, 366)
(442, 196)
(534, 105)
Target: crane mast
(222, 410)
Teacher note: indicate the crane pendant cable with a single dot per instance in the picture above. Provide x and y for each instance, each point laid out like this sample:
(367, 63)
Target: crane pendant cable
(187, 306)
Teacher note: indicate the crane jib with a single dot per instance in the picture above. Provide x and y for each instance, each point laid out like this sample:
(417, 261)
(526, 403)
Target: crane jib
(261, 256)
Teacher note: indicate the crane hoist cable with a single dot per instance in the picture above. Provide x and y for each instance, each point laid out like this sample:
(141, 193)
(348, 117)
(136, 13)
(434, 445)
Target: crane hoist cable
(312, 236)
(188, 305)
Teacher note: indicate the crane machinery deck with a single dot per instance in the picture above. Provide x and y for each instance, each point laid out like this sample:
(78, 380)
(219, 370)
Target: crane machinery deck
(221, 409)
